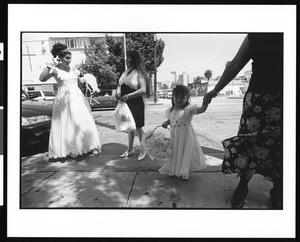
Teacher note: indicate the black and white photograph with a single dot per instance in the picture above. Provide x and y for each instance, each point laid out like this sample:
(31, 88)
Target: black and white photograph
(154, 122)
(87, 160)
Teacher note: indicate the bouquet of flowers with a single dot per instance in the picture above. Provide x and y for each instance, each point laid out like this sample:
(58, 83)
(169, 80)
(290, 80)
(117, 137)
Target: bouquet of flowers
(91, 82)
(157, 145)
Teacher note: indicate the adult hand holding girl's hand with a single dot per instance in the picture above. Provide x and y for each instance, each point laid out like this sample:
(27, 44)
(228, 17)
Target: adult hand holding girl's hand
(208, 97)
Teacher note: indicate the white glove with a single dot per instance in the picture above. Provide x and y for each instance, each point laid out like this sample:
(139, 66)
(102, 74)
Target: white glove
(53, 62)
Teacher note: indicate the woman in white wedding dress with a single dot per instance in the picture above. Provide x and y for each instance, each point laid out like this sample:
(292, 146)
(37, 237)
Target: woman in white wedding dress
(73, 129)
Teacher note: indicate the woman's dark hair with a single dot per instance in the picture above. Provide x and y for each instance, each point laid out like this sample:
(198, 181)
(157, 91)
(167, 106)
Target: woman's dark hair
(180, 90)
(60, 50)
(138, 64)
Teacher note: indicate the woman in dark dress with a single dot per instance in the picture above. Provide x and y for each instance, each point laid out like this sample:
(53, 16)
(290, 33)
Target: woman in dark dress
(257, 148)
(134, 89)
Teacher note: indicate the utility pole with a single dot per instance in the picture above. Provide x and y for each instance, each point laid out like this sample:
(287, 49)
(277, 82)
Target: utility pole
(29, 58)
(155, 76)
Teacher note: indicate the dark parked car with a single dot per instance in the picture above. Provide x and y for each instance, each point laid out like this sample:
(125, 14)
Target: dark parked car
(103, 99)
(42, 95)
(36, 120)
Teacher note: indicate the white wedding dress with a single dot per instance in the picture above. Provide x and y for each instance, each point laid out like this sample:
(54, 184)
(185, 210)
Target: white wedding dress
(73, 129)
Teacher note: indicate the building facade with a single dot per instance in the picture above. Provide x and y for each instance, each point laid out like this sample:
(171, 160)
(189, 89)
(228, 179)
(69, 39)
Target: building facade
(36, 52)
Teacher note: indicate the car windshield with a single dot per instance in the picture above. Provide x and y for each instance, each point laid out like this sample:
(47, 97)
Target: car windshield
(49, 94)
(38, 93)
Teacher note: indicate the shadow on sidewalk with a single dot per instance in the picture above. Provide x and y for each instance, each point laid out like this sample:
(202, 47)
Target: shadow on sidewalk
(213, 152)
(110, 126)
(28, 150)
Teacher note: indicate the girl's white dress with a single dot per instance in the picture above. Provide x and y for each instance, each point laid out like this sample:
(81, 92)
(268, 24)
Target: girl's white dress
(187, 155)
(73, 129)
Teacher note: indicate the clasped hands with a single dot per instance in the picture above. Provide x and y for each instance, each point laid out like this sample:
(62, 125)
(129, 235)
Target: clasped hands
(208, 97)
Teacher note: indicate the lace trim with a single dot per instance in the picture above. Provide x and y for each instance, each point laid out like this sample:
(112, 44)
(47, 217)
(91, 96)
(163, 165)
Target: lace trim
(70, 153)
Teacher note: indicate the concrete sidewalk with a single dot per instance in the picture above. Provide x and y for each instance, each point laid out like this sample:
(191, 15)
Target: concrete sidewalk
(107, 181)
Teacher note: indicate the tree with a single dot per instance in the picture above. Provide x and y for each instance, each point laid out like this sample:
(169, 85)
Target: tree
(198, 79)
(106, 60)
(145, 43)
(116, 58)
(173, 85)
(165, 86)
(227, 63)
(208, 74)
(98, 63)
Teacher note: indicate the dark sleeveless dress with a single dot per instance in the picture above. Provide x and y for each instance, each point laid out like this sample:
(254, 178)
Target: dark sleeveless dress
(136, 106)
(257, 148)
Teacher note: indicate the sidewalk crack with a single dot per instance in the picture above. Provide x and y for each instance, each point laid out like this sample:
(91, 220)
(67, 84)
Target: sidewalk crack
(130, 190)
(38, 184)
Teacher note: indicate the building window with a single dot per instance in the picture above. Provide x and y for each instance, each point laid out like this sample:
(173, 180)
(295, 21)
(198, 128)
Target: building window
(71, 43)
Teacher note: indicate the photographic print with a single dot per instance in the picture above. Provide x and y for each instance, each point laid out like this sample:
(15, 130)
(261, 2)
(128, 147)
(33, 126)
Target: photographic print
(72, 155)
(122, 121)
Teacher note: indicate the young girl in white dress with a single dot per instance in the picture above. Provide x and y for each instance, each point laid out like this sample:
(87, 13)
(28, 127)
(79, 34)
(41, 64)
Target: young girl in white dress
(187, 153)
(73, 130)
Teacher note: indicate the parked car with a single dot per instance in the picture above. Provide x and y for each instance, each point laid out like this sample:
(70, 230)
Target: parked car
(42, 95)
(160, 93)
(36, 120)
(167, 94)
(103, 99)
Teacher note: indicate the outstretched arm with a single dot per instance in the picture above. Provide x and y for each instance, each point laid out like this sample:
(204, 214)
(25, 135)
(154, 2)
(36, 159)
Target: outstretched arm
(202, 109)
(234, 67)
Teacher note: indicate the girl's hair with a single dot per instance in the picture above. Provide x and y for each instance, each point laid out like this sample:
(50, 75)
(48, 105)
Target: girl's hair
(180, 90)
(60, 50)
(138, 64)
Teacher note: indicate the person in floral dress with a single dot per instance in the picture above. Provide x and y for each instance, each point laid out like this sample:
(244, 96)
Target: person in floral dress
(257, 148)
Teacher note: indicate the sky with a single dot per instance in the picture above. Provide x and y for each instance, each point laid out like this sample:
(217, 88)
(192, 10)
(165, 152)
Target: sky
(195, 53)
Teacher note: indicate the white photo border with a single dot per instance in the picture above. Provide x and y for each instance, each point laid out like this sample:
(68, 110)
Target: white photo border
(150, 223)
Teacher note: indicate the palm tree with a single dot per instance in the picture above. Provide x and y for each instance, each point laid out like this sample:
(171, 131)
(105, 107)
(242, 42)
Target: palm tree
(208, 74)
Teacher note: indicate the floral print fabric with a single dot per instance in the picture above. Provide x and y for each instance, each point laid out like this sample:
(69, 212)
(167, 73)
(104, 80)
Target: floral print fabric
(257, 148)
